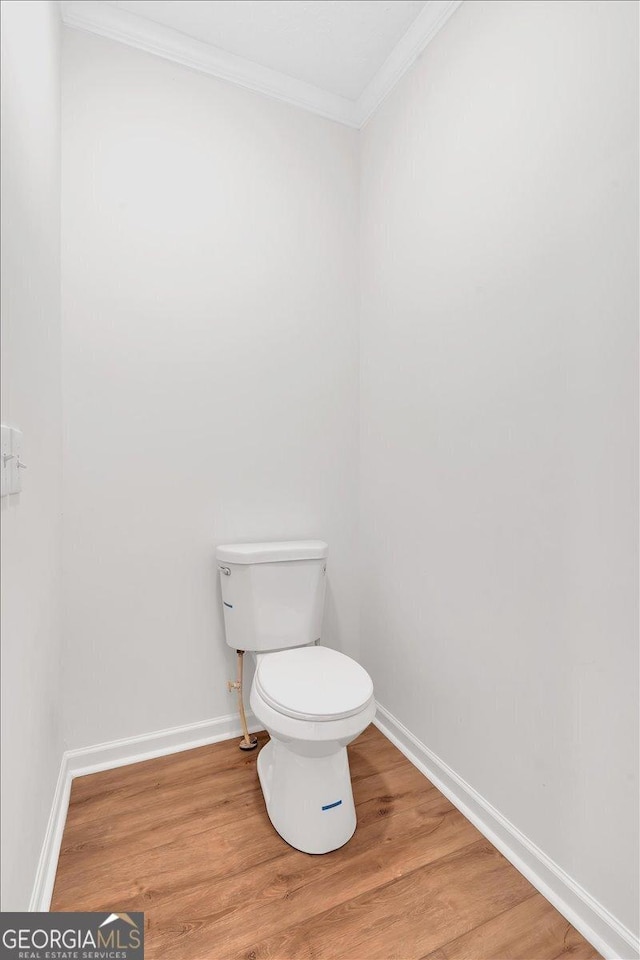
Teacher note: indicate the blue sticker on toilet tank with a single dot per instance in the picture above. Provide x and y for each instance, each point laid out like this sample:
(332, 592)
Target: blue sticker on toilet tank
(330, 806)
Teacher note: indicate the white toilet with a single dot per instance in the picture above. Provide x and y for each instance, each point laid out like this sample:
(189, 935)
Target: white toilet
(312, 700)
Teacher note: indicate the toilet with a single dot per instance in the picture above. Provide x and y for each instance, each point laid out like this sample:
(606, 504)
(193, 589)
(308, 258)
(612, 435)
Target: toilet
(312, 700)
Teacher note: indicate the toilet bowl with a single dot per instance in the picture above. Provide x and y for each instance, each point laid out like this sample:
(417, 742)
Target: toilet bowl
(312, 700)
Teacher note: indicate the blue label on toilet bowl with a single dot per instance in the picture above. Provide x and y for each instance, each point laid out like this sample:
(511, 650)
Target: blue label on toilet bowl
(330, 806)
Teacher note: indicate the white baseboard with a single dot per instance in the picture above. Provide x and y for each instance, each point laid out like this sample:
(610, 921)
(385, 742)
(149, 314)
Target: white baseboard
(119, 753)
(603, 931)
(106, 756)
(48, 862)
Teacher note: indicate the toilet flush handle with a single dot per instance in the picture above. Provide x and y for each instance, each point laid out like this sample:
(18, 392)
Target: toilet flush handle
(225, 571)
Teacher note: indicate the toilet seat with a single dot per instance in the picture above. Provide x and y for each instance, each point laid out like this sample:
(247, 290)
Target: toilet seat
(314, 684)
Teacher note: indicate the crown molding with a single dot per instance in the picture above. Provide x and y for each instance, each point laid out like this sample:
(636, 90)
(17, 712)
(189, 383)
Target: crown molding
(95, 16)
(424, 28)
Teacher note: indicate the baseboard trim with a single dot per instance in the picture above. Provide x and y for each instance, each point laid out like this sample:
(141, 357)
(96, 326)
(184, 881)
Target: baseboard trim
(108, 756)
(119, 753)
(613, 940)
(48, 862)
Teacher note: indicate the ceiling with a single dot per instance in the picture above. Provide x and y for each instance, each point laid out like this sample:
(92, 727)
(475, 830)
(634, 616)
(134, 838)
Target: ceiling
(337, 45)
(339, 58)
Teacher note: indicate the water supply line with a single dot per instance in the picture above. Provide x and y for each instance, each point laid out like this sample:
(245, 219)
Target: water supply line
(248, 741)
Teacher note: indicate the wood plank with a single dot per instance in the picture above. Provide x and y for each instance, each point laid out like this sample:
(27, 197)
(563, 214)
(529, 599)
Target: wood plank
(186, 839)
(142, 856)
(158, 803)
(186, 851)
(408, 917)
(533, 928)
(305, 887)
(211, 760)
(174, 767)
(577, 948)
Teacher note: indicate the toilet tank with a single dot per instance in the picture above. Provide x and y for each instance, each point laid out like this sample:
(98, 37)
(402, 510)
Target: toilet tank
(272, 593)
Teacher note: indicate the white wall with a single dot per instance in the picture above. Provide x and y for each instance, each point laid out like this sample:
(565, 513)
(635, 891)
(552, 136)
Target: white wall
(210, 371)
(31, 548)
(499, 420)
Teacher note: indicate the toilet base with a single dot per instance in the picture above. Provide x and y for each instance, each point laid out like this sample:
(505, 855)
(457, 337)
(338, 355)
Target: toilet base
(309, 800)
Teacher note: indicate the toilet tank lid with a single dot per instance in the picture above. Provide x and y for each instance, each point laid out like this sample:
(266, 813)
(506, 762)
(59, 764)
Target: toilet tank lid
(272, 552)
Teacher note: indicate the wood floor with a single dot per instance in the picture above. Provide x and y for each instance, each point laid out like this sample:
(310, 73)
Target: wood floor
(186, 839)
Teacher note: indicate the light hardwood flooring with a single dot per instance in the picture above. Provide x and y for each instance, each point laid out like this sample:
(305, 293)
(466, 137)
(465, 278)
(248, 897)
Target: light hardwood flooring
(186, 839)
